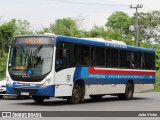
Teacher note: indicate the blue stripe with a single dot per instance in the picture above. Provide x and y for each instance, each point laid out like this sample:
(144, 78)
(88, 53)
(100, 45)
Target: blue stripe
(82, 73)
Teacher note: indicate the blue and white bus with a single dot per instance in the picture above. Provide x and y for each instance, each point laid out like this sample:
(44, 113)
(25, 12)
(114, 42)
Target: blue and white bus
(45, 66)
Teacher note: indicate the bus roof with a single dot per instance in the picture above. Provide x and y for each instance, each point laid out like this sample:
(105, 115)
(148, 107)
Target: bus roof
(103, 43)
(35, 35)
(93, 41)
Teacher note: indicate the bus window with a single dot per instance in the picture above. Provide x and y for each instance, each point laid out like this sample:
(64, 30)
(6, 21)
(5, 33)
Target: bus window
(59, 57)
(81, 55)
(137, 60)
(63, 55)
(62, 59)
(125, 59)
(98, 56)
(77, 55)
(111, 57)
(147, 58)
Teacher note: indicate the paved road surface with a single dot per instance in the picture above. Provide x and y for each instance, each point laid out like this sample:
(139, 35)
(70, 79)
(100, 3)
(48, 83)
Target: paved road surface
(141, 102)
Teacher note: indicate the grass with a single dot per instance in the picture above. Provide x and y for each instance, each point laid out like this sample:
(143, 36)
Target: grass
(157, 86)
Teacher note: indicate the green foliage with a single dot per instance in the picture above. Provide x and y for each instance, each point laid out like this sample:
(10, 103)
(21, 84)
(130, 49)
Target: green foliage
(3, 62)
(119, 20)
(98, 32)
(44, 30)
(157, 85)
(65, 26)
(7, 31)
(22, 27)
(148, 24)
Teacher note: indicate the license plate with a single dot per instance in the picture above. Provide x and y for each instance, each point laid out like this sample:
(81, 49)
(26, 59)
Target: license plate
(24, 93)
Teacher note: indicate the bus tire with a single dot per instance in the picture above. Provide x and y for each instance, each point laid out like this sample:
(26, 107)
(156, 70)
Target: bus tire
(38, 99)
(98, 97)
(76, 95)
(1, 96)
(128, 95)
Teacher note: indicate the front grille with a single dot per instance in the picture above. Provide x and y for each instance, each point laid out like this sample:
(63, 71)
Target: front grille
(27, 79)
(31, 92)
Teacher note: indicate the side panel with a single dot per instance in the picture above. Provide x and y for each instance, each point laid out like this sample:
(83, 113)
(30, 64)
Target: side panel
(102, 80)
(112, 81)
(63, 90)
(64, 82)
(104, 89)
(143, 87)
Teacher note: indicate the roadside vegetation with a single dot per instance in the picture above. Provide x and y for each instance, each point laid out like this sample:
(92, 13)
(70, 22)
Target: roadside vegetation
(157, 86)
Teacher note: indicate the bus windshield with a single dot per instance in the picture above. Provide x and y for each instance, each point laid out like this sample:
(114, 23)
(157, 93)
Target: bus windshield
(30, 60)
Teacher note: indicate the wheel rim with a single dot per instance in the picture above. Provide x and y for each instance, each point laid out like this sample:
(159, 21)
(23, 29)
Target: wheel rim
(129, 91)
(76, 94)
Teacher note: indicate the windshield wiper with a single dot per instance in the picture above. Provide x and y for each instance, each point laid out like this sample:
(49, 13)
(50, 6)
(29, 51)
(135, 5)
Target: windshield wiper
(37, 50)
(22, 49)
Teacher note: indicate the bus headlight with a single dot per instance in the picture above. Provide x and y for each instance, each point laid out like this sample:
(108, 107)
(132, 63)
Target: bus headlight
(9, 82)
(46, 83)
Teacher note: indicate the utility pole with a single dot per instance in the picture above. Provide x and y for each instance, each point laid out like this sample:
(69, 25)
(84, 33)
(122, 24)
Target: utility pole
(137, 27)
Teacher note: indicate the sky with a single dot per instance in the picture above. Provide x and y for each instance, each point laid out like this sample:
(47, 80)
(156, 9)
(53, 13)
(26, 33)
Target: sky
(42, 13)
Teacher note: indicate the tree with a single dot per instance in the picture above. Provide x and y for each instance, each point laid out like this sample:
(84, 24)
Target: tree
(22, 27)
(7, 31)
(98, 32)
(3, 62)
(65, 26)
(149, 24)
(119, 20)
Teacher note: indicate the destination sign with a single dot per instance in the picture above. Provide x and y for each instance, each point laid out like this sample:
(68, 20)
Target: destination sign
(32, 40)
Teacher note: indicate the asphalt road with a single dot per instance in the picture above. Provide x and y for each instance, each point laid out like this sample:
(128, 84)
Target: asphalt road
(141, 102)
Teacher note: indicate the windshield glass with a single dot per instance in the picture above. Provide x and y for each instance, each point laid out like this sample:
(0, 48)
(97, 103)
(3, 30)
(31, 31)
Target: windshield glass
(30, 60)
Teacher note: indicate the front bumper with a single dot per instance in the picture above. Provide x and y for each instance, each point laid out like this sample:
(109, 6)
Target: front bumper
(47, 91)
(2, 90)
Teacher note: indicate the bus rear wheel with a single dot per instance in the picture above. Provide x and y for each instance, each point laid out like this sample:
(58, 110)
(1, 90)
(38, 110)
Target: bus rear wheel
(98, 97)
(38, 99)
(128, 95)
(76, 95)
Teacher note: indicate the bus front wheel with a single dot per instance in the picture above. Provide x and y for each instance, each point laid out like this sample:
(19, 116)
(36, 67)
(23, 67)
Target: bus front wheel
(38, 99)
(128, 95)
(76, 95)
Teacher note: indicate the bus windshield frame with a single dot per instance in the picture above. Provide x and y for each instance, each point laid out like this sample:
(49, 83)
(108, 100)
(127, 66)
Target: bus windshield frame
(31, 57)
